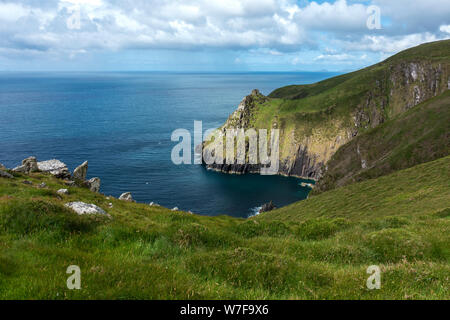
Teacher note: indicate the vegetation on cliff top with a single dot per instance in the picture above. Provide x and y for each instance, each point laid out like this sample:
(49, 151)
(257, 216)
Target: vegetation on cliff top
(316, 249)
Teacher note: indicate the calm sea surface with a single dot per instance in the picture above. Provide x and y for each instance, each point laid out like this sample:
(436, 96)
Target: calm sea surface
(122, 123)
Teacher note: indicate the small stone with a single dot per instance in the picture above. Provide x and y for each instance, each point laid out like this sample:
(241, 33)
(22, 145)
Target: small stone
(5, 174)
(69, 183)
(42, 185)
(27, 182)
(81, 171)
(63, 191)
(190, 212)
(175, 209)
(153, 204)
(126, 197)
(110, 205)
(82, 208)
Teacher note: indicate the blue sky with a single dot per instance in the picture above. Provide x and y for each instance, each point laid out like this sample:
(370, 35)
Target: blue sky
(212, 35)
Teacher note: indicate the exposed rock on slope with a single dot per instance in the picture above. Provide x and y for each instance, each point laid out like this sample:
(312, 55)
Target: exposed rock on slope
(82, 208)
(54, 167)
(81, 171)
(419, 135)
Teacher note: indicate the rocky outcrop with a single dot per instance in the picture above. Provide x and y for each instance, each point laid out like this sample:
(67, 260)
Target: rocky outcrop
(82, 208)
(55, 168)
(2, 167)
(81, 171)
(267, 207)
(29, 165)
(300, 156)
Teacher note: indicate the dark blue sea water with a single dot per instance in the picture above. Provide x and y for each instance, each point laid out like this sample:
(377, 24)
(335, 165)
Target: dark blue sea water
(122, 123)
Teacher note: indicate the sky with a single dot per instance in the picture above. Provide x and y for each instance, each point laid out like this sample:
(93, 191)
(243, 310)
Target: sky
(213, 35)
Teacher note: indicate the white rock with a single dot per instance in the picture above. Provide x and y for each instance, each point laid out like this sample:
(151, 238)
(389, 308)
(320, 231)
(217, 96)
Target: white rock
(54, 167)
(175, 209)
(82, 208)
(63, 191)
(126, 197)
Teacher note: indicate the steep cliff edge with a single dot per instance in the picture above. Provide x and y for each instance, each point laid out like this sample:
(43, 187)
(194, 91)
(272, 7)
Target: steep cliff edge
(316, 120)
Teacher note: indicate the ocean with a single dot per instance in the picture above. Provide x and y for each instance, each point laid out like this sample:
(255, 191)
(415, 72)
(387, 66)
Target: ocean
(122, 124)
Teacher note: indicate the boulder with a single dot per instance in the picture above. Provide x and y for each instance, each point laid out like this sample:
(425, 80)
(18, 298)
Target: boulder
(54, 167)
(81, 171)
(4, 174)
(93, 184)
(63, 191)
(28, 165)
(267, 207)
(126, 197)
(20, 169)
(31, 164)
(82, 208)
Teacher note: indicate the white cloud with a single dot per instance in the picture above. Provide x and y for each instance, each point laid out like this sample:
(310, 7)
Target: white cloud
(337, 28)
(394, 44)
(445, 29)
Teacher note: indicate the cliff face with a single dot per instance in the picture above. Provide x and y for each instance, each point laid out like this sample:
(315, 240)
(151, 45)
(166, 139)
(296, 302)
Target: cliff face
(422, 134)
(331, 113)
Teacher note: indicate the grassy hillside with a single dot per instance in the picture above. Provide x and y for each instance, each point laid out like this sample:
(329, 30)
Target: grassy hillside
(316, 249)
(419, 135)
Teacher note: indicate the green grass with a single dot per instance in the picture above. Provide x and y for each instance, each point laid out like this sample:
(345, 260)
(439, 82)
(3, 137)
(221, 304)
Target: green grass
(315, 249)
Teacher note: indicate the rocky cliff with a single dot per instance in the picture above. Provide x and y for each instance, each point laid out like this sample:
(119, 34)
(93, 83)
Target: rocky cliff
(316, 120)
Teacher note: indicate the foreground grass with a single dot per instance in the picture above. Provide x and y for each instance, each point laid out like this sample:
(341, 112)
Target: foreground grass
(315, 249)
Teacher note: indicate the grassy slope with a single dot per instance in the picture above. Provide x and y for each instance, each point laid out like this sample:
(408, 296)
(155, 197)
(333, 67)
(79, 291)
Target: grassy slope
(401, 222)
(419, 135)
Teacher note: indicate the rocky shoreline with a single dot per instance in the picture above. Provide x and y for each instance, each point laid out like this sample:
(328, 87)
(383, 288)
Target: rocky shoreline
(78, 178)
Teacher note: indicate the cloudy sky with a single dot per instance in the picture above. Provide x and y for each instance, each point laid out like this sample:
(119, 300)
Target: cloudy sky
(213, 35)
